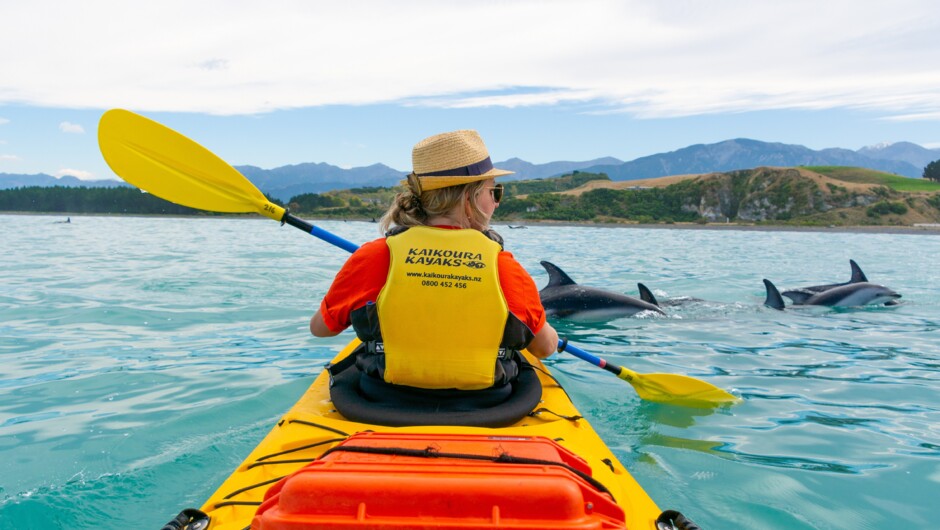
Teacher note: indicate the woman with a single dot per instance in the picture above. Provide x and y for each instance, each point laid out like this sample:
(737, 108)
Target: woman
(437, 301)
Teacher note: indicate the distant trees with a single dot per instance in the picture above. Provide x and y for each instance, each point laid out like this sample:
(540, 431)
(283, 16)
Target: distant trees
(128, 200)
(95, 200)
(643, 205)
(308, 202)
(932, 171)
(886, 207)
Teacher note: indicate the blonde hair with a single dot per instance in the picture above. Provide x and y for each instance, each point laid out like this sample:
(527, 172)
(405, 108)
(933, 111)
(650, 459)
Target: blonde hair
(414, 207)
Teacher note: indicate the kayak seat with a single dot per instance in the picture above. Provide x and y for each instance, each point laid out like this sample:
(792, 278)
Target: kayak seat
(363, 398)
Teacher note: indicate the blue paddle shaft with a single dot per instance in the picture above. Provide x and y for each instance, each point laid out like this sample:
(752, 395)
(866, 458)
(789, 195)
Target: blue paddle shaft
(333, 239)
(564, 346)
(578, 352)
(316, 231)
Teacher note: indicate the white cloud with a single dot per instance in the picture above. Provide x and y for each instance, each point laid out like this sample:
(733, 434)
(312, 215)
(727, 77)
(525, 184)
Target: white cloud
(72, 128)
(9, 158)
(916, 116)
(4, 121)
(645, 57)
(77, 173)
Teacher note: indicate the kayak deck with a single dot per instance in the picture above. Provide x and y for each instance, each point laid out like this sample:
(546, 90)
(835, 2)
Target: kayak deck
(312, 427)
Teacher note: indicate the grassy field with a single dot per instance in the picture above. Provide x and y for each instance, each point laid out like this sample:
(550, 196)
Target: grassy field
(870, 176)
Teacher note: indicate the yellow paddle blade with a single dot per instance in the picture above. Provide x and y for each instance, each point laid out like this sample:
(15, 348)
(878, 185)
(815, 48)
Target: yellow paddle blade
(169, 165)
(677, 389)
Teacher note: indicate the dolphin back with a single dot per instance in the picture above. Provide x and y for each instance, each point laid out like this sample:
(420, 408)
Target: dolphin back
(855, 294)
(564, 298)
(799, 296)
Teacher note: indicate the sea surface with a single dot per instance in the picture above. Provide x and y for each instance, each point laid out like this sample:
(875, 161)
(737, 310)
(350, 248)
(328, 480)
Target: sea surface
(141, 359)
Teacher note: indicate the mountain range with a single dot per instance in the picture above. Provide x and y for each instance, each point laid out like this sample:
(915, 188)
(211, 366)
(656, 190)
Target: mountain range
(902, 158)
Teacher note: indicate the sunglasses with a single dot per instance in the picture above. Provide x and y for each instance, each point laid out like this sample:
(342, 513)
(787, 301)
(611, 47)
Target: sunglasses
(497, 192)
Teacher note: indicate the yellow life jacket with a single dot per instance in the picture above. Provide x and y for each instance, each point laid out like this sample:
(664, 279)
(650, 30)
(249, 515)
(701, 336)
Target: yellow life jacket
(442, 311)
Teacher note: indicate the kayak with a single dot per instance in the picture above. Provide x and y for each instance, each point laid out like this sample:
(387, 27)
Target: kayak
(317, 469)
(346, 456)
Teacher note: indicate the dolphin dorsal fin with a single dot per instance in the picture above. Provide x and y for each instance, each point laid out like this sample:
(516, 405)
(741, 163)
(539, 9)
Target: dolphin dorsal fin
(857, 274)
(646, 295)
(556, 276)
(774, 300)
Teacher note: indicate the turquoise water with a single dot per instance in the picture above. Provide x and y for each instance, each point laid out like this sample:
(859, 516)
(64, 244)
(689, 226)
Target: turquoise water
(143, 358)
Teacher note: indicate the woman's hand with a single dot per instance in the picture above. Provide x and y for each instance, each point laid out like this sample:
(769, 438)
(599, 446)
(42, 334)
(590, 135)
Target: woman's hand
(545, 342)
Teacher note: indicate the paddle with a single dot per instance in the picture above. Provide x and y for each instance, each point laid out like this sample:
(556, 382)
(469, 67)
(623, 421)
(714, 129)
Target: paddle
(664, 388)
(169, 165)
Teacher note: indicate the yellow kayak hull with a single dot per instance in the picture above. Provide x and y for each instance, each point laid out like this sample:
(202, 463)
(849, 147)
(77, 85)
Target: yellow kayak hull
(312, 426)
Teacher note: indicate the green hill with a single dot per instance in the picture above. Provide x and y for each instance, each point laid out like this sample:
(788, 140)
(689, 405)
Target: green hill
(870, 176)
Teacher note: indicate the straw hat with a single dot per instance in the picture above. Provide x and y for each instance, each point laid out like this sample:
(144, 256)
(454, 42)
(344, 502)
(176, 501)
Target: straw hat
(451, 159)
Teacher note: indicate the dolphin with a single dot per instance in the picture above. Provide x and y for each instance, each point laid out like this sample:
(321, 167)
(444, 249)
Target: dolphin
(847, 295)
(562, 297)
(801, 292)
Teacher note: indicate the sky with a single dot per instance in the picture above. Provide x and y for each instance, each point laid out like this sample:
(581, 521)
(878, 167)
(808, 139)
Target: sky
(354, 83)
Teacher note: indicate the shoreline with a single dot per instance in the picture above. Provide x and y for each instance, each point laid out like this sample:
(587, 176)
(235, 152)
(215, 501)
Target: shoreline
(857, 229)
(926, 229)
